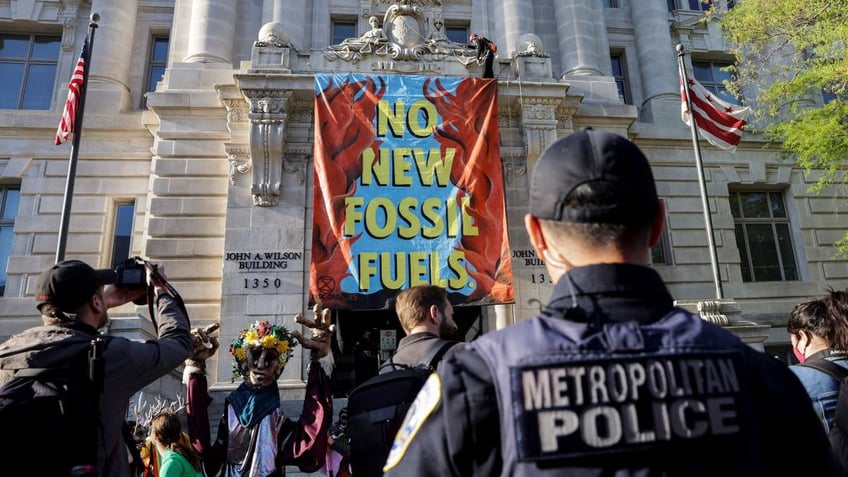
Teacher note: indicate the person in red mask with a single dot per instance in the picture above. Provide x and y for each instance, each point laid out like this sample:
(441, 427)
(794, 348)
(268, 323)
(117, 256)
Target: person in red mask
(818, 331)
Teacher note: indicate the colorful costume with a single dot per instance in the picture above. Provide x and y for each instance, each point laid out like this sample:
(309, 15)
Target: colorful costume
(254, 436)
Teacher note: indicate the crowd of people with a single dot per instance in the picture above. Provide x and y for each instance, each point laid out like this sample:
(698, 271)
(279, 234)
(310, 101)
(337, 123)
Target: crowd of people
(610, 378)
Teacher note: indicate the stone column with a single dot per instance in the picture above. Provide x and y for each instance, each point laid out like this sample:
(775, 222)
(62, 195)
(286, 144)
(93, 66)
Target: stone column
(660, 85)
(602, 49)
(290, 15)
(108, 87)
(517, 17)
(576, 31)
(210, 37)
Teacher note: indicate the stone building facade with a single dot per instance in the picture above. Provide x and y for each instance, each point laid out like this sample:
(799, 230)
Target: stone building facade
(199, 125)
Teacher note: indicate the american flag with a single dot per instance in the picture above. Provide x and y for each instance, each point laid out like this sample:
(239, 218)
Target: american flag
(719, 122)
(68, 123)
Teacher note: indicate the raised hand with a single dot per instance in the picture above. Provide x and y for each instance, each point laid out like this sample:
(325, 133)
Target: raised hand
(322, 331)
(204, 344)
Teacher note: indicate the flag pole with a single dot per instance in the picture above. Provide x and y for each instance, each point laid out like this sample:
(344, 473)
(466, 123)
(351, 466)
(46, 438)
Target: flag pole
(705, 203)
(72, 164)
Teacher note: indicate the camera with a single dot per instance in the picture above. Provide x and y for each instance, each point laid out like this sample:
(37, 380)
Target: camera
(131, 274)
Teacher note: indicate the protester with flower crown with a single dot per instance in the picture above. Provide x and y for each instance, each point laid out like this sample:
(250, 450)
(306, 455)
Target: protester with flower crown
(254, 437)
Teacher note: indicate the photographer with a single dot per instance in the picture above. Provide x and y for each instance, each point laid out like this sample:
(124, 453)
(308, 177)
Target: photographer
(74, 300)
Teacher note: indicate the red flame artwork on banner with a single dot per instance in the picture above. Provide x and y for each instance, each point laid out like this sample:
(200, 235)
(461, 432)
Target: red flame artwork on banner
(468, 127)
(389, 234)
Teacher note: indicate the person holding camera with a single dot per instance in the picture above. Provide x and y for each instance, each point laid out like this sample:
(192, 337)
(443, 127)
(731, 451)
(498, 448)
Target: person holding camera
(74, 300)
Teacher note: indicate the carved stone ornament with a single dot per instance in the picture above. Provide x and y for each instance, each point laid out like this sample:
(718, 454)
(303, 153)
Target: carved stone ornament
(710, 310)
(514, 163)
(68, 15)
(267, 117)
(239, 159)
(411, 31)
(273, 34)
(529, 44)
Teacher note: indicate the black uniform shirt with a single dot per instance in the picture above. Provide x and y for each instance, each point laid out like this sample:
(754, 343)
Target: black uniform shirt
(461, 435)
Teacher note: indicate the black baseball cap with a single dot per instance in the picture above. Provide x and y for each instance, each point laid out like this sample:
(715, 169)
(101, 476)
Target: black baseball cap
(69, 284)
(626, 193)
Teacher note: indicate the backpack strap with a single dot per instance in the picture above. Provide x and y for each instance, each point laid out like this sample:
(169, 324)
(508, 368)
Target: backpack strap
(828, 367)
(436, 352)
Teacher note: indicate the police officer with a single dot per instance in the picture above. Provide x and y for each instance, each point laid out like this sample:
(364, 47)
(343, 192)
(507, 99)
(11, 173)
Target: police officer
(611, 378)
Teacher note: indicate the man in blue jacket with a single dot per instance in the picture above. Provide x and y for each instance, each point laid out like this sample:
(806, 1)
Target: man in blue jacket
(611, 378)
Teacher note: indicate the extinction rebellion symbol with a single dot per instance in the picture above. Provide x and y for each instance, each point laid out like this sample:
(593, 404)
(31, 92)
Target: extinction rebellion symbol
(326, 284)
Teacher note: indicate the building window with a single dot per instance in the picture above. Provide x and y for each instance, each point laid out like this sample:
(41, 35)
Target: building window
(712, 76)
(611, 3)
(619, 69)
(9, 199)
(27, 70)
(702, 5)
(122, 233)
(661, 252)
(457, 33)
(342, 29)
(157, 61)
(763, 236)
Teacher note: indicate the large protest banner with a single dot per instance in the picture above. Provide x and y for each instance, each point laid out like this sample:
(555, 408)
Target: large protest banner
(408, 190)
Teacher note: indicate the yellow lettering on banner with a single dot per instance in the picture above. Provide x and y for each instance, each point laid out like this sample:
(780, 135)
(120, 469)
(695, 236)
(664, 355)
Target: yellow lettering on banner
(401, 167)
(406, 209)
(396, 281)
(367, 269)
(439, 217)
(420, 119)
(390, 118)
(413, 118)
(353, 214)
(394, 269)
(418, 268)
(372, 225)
(430, 210)
(431, 166)
(456, 262)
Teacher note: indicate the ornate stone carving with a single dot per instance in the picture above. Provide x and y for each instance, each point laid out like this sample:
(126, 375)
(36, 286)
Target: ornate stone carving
(411, 31)
(236, 110)
(538, 115)
(529, 44)
(267, 117)
(239, 158)
(564, 115)
(514, 162)
(710, 310)
(296, 164)
(68, 15)
(273, 34)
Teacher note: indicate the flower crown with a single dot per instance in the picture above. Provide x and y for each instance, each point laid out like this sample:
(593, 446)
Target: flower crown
(262, 334)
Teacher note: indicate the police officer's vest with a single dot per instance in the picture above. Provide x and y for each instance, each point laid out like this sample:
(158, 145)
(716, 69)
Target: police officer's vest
(621, 395)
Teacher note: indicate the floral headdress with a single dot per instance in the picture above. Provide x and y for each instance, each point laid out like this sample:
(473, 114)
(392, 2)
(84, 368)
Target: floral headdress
(262, 334)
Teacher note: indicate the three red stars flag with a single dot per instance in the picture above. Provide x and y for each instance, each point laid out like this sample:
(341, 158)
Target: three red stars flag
(69, 116)
(718, 121)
